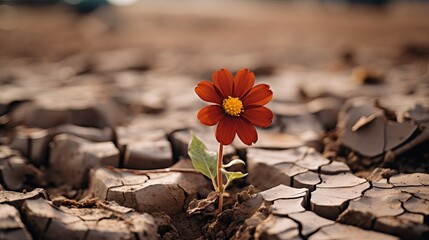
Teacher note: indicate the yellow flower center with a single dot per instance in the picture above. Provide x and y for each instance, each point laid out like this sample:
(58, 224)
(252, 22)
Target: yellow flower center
(233, 106)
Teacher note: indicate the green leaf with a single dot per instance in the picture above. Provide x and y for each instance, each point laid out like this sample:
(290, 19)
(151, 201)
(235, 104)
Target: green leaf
(203, 160)
(234, 162)
(231, 176)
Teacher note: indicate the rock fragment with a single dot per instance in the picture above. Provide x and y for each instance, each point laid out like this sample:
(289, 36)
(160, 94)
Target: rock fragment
(300, 168)
(310, 222)
(17, 199)
(152, 192)
(414, 179)
(373, 129)
(399, 209)
(143, 147)
(50, 222)
(404, 228)
(335, 167)
(312, 160)
(148, 155)
(368, 139)
(268, 168)
(342, 180)
(32, 142)
(16, 172)
(277, 228)
(11, 226)
(282, 200)
(341, 231)
(307, 180)
(198, 206)
(329, 202)
(283, 192)
(286, 200)
(375, 203)
(72, 157)
(289, 222)
(416, 204)
(288, 206)
(415, 217)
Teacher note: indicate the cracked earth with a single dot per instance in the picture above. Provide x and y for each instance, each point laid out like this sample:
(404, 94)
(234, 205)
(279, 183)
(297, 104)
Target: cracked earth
(92, 131)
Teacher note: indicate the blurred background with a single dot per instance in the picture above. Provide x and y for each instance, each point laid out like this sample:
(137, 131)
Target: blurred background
(201, 35)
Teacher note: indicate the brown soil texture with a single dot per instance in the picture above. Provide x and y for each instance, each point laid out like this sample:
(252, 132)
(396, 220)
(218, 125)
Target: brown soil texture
(97, 110)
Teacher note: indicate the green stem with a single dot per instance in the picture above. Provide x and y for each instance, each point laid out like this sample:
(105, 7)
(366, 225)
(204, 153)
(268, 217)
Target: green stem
(219, 176)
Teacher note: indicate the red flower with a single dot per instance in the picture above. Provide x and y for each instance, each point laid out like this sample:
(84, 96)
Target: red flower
(238, 105)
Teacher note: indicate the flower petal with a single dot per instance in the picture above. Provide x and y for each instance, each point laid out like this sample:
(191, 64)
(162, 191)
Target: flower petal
(259, 95)
(243, 82)
(259, 116)
(225, 131)
(206, 91)
(246, 131)
(222, 79)
(210, 115)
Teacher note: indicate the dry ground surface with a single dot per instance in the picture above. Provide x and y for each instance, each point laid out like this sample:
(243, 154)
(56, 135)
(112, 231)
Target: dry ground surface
(97, 110)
